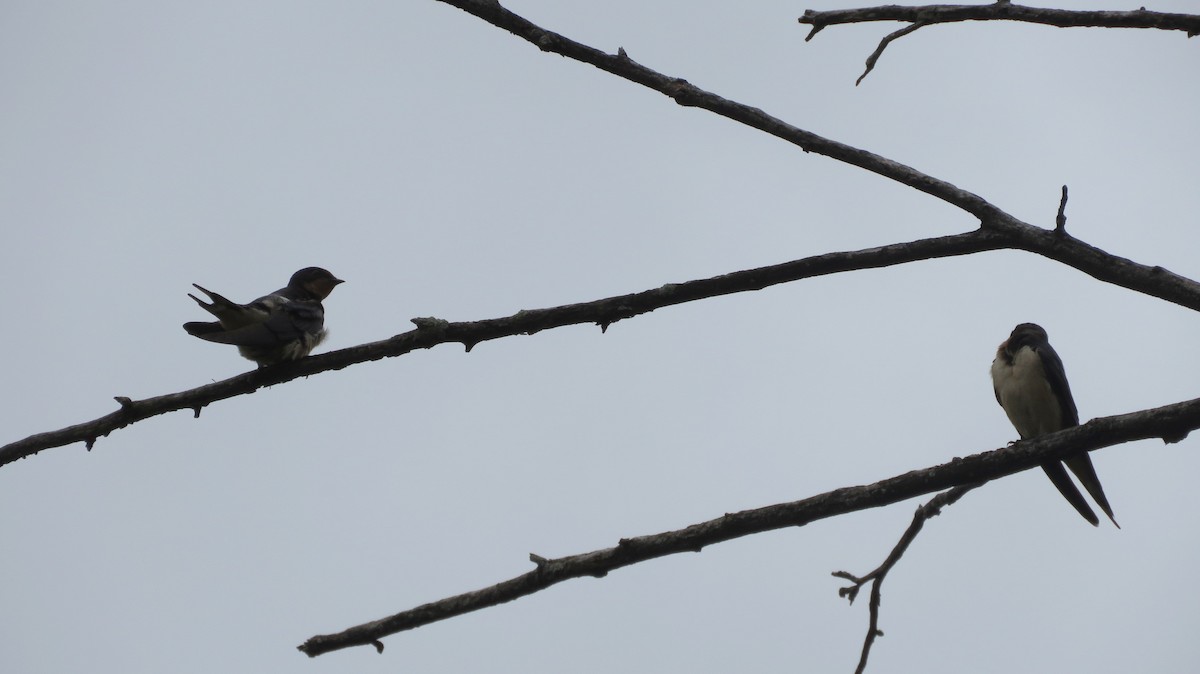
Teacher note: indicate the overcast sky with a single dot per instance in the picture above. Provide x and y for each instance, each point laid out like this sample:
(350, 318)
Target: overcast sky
(446, 168)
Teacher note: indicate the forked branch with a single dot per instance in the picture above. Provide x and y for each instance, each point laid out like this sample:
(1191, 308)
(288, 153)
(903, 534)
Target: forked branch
(923, 513)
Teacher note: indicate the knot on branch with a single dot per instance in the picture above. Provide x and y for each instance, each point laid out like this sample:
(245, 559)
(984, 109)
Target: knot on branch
(1174, 436)
(683, 92)
(431, 324)
(813, 18)
(547, 42)
(619, 313)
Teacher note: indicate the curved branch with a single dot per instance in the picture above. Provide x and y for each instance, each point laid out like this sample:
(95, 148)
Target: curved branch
(924, 513)
(1170, 422)
(1003, 11)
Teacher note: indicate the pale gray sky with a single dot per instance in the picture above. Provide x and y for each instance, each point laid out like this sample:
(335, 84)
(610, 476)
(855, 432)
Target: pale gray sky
(446, 168)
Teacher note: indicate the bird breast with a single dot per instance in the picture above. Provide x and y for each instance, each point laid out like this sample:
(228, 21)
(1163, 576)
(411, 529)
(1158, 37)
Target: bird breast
(1025, 394)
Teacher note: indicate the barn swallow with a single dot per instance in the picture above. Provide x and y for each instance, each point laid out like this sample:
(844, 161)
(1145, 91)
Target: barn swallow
(285, 325)
(1031, 386)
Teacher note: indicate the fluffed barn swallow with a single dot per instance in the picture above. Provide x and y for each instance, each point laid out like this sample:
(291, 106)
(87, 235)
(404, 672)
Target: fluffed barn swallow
(1031, 386)
(285, 325)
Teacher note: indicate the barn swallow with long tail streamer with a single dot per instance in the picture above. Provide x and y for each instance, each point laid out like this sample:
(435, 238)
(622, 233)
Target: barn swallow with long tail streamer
(1031, 386)
(285, 325)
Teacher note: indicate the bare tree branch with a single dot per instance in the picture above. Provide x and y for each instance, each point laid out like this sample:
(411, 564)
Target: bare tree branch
(1003, 11)
(689, 95)
(431, 332)
(924, 513)
(1170, 421)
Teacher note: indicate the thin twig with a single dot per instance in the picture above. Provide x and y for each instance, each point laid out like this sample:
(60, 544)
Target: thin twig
(1097, 433)
(1060, 221)
(874, 57)
(923, 513)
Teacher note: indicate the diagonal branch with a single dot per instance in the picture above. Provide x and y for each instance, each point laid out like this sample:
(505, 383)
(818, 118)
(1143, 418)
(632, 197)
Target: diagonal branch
(431, 332)
(924, 513)
(688, 95)
(1003, 11)
(1170, 421)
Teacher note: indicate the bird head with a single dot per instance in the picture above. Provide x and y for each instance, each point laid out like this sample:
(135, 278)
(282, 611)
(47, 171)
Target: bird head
(1026, 334)
(315, 281)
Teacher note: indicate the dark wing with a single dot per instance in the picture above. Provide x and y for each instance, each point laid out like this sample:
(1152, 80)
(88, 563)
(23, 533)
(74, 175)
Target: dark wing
(287, 322)
(1080, 464)
(1057, 377)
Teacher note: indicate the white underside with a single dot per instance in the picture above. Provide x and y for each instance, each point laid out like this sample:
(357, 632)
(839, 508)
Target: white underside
(1025, 394)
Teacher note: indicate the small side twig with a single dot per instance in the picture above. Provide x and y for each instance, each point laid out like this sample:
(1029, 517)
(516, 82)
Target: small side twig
(874, 57)
(923, 513)
(1060, 222)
